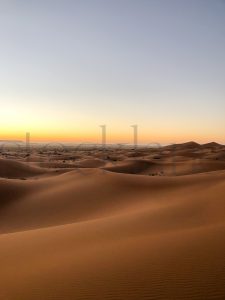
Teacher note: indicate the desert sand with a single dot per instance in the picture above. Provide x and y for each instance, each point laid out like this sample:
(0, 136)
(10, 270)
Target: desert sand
(114, 224)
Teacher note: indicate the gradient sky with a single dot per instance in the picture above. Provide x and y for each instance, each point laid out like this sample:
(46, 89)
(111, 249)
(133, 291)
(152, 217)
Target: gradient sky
(67, 67)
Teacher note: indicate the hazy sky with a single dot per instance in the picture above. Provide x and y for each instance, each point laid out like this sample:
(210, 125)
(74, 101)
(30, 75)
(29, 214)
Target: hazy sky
(67, 67)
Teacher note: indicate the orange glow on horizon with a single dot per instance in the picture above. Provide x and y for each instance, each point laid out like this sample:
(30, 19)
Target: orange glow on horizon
(112, 137)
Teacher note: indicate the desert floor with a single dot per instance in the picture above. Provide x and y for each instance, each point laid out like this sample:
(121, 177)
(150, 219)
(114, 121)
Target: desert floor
(146, 223)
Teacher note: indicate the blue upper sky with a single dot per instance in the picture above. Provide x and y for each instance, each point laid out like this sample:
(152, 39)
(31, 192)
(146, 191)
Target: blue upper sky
(68, 66)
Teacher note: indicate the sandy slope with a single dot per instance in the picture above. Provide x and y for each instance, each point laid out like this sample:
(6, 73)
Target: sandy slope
(169, 167)
(96, 234)
(15, 169)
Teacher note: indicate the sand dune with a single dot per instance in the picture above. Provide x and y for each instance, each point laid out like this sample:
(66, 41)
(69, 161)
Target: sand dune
(170, 167)
(135, 166)
(184, 146)
(91, 163)
(92, 233)
(15, 169)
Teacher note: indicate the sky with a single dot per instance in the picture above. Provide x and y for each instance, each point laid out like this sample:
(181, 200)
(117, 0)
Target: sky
(67, 67)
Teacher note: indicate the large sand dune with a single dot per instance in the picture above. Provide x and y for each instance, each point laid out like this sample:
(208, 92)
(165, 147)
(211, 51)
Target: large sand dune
(108, 230)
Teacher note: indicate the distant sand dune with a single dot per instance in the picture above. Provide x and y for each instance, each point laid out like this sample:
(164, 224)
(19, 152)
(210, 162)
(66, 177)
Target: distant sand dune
(169, 167)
